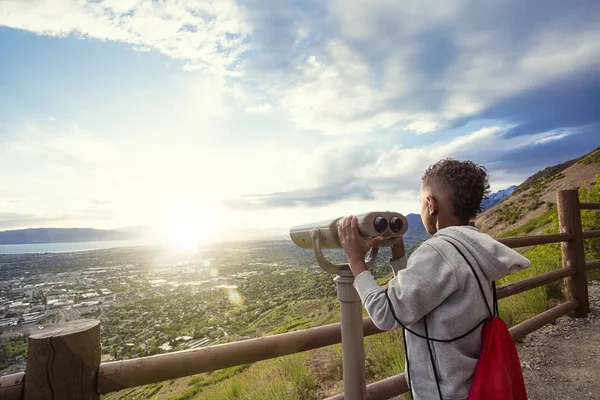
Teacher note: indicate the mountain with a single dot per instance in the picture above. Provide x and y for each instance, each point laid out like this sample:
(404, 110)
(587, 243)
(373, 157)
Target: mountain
(496, 198)
(416, 230)
(544, 174)
(65, 235)
(528, 208)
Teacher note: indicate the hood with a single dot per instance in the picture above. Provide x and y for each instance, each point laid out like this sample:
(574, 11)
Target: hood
(495, 259)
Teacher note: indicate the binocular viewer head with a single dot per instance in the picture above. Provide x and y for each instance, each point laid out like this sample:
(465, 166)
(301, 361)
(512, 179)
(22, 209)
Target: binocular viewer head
(389, 225)
(324, 235)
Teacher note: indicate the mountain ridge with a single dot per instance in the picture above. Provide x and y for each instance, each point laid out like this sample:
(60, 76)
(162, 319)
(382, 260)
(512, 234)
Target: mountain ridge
(65, 235)
(536, 196)
(416, 231)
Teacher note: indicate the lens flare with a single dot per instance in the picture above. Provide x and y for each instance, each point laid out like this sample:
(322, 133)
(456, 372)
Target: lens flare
(214, 272)
(235, 297)
(233, 294)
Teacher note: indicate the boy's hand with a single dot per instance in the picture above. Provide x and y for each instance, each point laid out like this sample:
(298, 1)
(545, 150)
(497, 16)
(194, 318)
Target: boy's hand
(355, 245)
(398, 248)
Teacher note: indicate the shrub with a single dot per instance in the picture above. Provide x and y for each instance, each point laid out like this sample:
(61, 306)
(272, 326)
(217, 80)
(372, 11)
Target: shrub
(593, 157)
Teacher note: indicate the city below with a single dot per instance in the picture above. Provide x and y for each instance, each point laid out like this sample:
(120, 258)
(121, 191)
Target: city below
(152, 300)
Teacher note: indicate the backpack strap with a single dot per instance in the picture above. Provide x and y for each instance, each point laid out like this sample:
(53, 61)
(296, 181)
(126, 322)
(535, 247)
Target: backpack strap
(407, 362)
(479, 283)
(430, 350)
(426, 337)
(496, 309)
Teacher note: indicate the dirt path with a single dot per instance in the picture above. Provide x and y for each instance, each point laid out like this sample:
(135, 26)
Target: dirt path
(562, 360)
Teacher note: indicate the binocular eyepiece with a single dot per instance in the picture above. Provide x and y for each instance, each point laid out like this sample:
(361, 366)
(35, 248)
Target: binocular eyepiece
(395, 224)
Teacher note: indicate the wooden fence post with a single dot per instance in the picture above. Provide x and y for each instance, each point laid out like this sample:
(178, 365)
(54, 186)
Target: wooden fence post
(63, 362)
(573, 252)
(11, 386)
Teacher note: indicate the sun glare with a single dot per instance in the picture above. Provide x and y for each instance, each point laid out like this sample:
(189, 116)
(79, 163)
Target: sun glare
(185, 238)
(185, 227)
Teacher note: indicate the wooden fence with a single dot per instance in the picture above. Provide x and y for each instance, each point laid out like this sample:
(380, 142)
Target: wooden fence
(64, 362)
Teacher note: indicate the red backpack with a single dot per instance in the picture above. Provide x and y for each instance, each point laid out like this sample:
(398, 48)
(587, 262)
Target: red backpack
(498, 373)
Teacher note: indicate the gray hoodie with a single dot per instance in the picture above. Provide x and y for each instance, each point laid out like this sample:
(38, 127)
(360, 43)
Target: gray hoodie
(439, 286)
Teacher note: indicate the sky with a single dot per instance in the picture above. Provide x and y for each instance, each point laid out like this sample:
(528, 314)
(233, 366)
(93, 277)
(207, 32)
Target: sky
(232, 119)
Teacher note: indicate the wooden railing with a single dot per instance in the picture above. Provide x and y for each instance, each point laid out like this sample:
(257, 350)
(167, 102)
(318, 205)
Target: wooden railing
(64, 362)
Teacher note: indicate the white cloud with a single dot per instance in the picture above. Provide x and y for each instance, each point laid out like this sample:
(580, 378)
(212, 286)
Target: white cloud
(343, 67)
(423, 66)
(344, 172)
(141, 49)
(404, 166)
(423, 126)
(264, 108)
(70, 145)
(210, 33)
(362, 18)
(552, 137)
(336, 97)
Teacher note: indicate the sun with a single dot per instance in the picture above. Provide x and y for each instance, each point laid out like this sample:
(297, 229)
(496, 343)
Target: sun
(185, 227)
(185, 238)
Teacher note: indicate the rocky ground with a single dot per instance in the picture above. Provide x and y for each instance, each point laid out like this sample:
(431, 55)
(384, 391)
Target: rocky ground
(562, 360)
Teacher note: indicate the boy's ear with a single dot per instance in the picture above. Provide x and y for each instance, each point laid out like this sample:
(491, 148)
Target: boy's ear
(432, 205)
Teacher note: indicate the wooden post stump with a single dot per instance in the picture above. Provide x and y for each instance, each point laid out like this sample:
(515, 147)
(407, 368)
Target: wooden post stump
(63, 362)
(573, 252)
(11, 386)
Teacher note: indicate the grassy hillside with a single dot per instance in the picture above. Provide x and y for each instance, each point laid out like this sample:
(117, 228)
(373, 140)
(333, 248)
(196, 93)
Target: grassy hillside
(531, 209)
(527, 209)
(314, 374)
(542, 175)
(547, 258)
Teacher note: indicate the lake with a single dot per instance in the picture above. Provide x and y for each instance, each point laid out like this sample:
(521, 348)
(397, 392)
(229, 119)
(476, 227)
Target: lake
(65, 247)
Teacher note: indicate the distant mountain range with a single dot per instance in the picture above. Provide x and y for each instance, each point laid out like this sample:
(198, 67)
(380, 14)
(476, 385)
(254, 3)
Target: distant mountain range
(66, 235)
(497, 197)
(416, 231)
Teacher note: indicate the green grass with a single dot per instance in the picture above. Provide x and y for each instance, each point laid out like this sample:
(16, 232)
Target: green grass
(199, 382)
(546, 258)
(533, 224)
(284, 378)
(294, 325)
(301, 377)
(154, 390)
(522, 306)
(384, 355)
(309, 375)
(593, 157)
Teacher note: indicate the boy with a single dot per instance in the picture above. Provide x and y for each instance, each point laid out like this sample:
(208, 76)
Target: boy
(435, 293)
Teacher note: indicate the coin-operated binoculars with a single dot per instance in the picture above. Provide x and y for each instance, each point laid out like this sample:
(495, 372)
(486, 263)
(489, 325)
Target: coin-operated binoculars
(324, 235)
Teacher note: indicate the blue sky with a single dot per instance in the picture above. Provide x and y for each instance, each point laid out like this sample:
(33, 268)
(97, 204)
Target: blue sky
(199, 117)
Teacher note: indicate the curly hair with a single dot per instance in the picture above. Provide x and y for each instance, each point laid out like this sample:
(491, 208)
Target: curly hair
(465, 182)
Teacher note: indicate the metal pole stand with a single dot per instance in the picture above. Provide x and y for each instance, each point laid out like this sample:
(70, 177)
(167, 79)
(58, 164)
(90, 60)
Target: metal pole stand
(353, 348)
